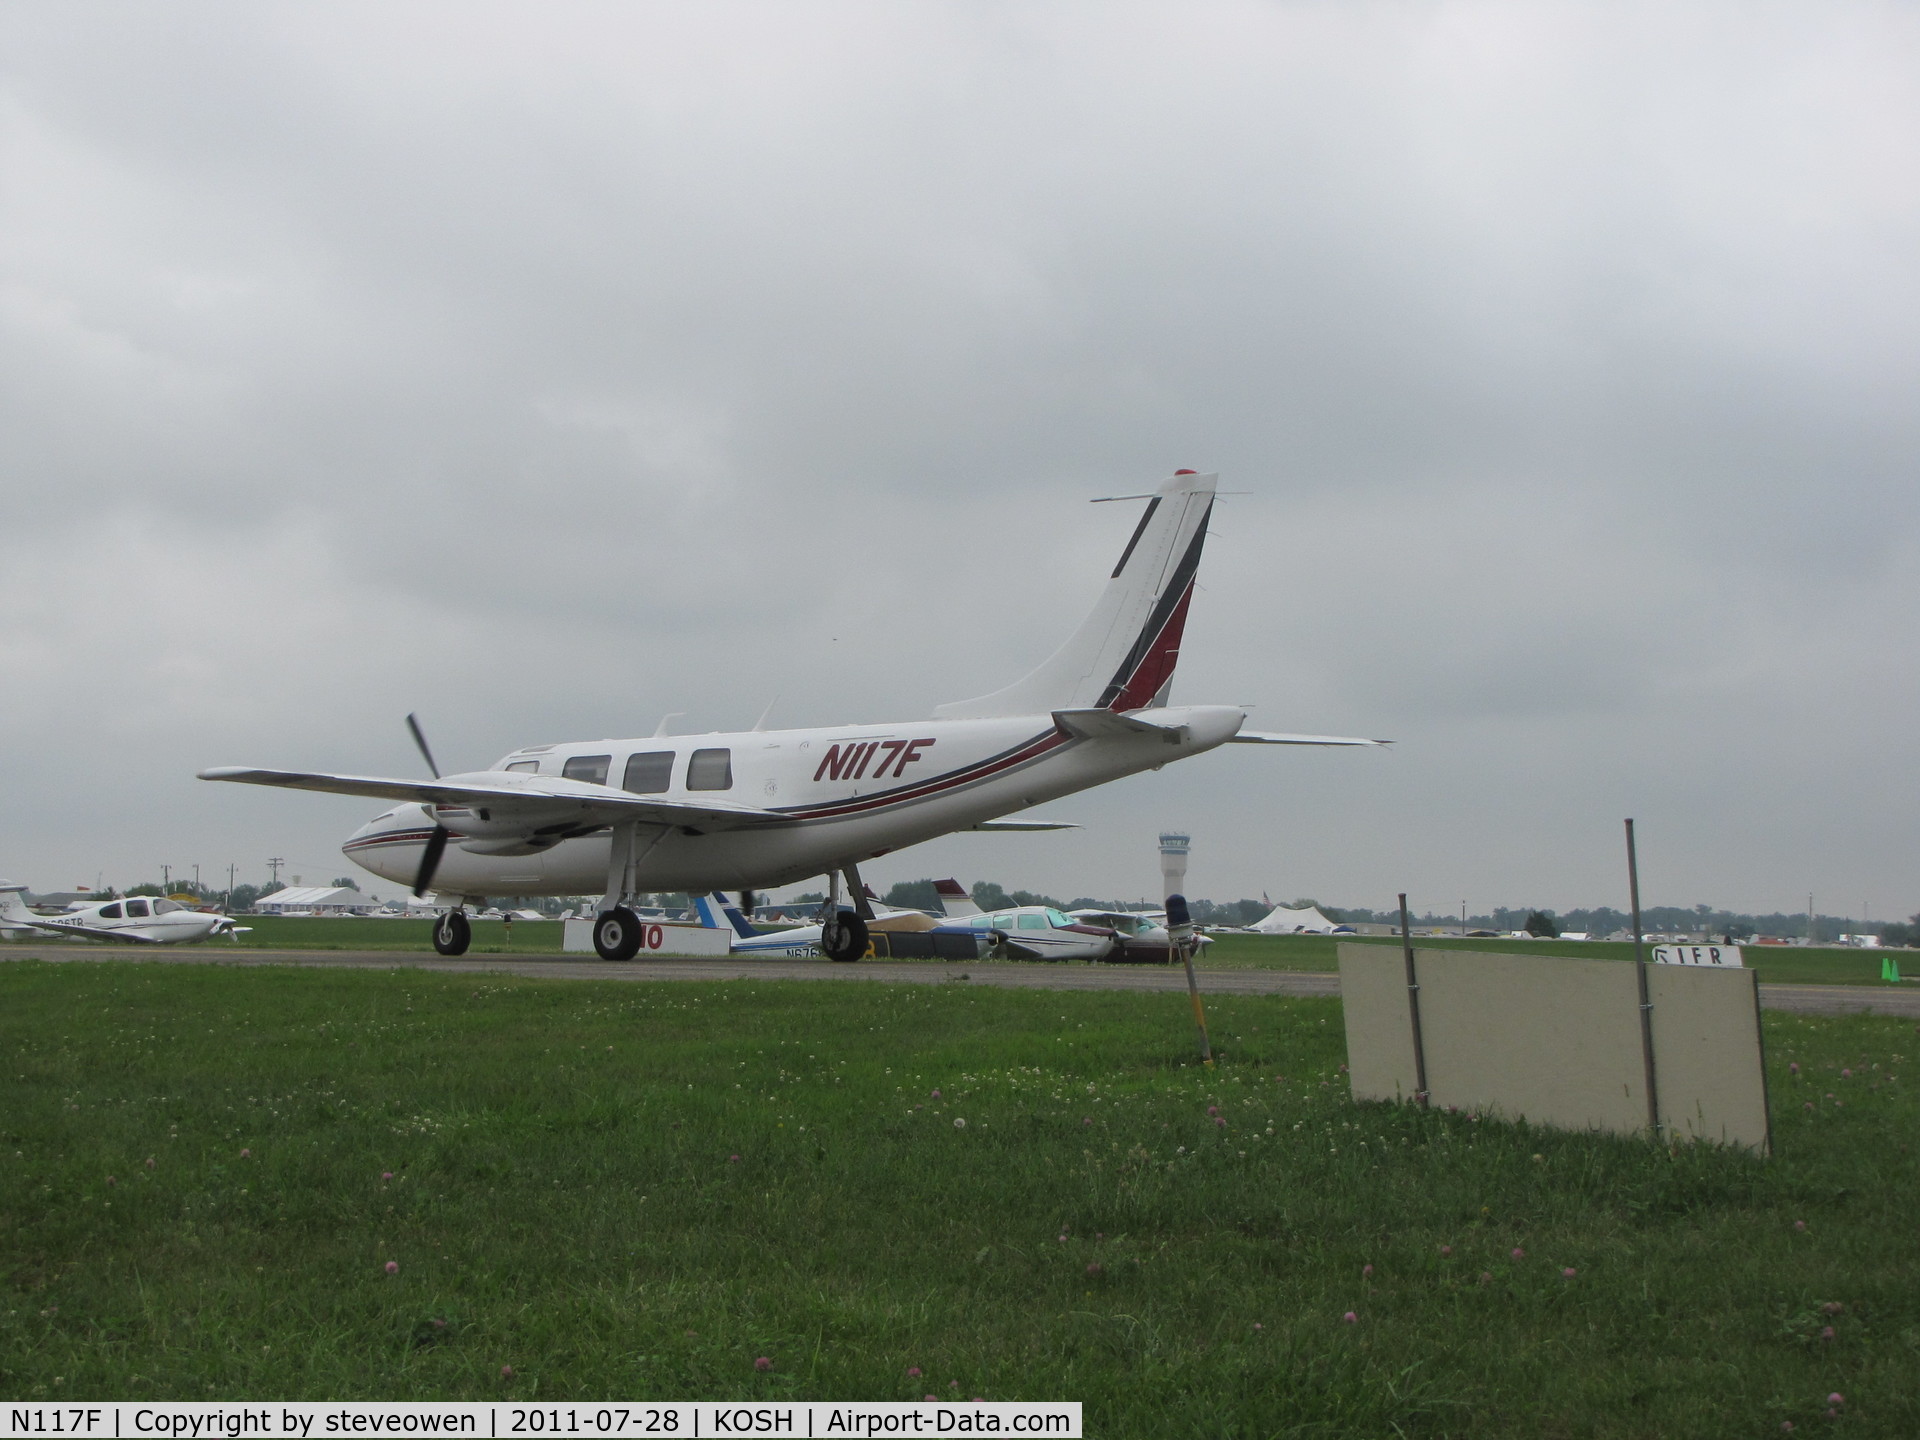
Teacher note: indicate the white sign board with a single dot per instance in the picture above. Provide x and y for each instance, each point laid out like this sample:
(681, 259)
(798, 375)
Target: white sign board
(1727, 956)
(656, 938)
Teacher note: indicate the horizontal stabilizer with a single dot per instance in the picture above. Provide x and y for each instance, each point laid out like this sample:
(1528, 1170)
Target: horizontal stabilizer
(1261, 737)
(1022, 827)
(1111, 725)
(504, 792)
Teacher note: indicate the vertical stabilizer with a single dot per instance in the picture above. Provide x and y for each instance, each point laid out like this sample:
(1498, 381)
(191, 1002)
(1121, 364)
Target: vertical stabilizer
(954, 899)
(716, 912)
(12, 906)
(1122, 656)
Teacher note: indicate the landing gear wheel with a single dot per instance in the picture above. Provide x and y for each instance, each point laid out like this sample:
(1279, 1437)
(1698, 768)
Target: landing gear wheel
(452, 934)
(846, 939)
(616, 934)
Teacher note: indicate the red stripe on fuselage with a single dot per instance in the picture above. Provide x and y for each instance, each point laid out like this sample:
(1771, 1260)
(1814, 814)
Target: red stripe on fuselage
(995, 765)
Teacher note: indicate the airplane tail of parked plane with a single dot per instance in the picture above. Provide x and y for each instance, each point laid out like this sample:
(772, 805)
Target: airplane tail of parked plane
(12, 906)
(1122, 657)
(716, 912)
(954, 899)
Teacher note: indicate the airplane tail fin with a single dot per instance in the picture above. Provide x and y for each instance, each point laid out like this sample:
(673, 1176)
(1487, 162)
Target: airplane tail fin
(12, 906)
(1122, 656)
(716, 912)
(954, 899)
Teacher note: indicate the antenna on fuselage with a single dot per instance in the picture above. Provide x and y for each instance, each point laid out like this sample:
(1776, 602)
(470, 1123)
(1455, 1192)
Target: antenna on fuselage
(660, 730)
(761, 723)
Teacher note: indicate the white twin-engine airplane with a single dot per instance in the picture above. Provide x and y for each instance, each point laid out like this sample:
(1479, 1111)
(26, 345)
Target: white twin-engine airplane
(764, 808)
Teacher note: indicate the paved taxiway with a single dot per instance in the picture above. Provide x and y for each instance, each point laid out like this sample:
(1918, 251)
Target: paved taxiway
(1805, 999)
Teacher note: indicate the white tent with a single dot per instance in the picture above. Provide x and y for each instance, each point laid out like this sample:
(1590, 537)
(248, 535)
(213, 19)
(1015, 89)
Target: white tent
(315, 899)
(1307, 920)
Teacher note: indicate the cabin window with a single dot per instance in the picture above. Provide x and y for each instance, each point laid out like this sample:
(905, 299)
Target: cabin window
(649, 772)
(166, 907)
(1003, 922)
(1033, 922)
(590, 768)
(112, 912)
(710, 770)
(136, 910)
(525, 767)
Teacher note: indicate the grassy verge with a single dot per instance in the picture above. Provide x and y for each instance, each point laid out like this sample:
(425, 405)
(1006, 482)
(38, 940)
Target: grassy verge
(635, 1191)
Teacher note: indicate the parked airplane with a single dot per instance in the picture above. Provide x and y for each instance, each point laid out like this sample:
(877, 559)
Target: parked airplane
(672, 813)
(1032, 932)
(136, 920)
(716, 911)
(1143, 936)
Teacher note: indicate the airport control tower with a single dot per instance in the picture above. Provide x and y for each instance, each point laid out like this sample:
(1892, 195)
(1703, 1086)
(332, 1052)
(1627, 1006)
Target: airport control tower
(1173, 864)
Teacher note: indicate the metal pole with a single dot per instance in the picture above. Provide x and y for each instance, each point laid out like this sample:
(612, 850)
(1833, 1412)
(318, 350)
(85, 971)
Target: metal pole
(1413, 1006)
(1180, 933)
(1633, 892)
(1646, 999)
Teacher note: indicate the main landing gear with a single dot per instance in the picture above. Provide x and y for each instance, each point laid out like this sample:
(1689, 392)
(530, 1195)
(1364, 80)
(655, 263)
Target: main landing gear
(843, 933)
(616, 934)
(452, 933)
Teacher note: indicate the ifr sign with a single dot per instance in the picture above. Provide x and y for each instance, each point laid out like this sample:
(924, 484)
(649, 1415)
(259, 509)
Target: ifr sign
(1725, 956)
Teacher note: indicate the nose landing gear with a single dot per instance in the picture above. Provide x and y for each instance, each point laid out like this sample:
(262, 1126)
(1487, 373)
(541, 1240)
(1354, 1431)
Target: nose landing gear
(452, 933)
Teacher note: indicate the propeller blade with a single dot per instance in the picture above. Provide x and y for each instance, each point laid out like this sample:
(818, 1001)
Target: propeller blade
(747, 901)
(420, 739)
(430, 859)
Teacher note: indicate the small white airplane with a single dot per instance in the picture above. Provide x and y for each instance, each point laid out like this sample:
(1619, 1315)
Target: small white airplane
(1029, 932)
(758, 809)
(1143, 935)
(136, 920)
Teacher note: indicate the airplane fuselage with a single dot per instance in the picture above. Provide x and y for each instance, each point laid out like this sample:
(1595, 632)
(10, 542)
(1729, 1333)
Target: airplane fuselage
(836, 795)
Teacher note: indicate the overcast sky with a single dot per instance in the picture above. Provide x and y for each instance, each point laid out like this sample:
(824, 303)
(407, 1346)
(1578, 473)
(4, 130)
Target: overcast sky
(547, 368)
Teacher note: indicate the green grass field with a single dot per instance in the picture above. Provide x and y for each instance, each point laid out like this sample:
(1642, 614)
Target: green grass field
(626, 1191)
(1776, 964)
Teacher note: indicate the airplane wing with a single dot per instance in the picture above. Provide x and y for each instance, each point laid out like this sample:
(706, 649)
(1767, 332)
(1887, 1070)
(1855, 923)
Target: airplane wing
(495, 791)
(91, 932)
(1023, 826)
(1262, 737)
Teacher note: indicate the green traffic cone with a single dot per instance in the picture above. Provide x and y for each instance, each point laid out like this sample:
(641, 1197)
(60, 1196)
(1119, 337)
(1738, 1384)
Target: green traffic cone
(1893, 970)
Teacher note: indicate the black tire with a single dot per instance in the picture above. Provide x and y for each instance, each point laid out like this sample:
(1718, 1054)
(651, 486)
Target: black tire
(616, 934)
(452, 934)
(845, 941)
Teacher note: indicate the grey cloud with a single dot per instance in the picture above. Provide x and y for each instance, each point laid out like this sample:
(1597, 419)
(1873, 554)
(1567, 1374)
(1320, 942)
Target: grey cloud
(550, 370)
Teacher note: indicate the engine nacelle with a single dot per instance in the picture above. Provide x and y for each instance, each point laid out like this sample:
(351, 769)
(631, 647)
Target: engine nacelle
(533, 845)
